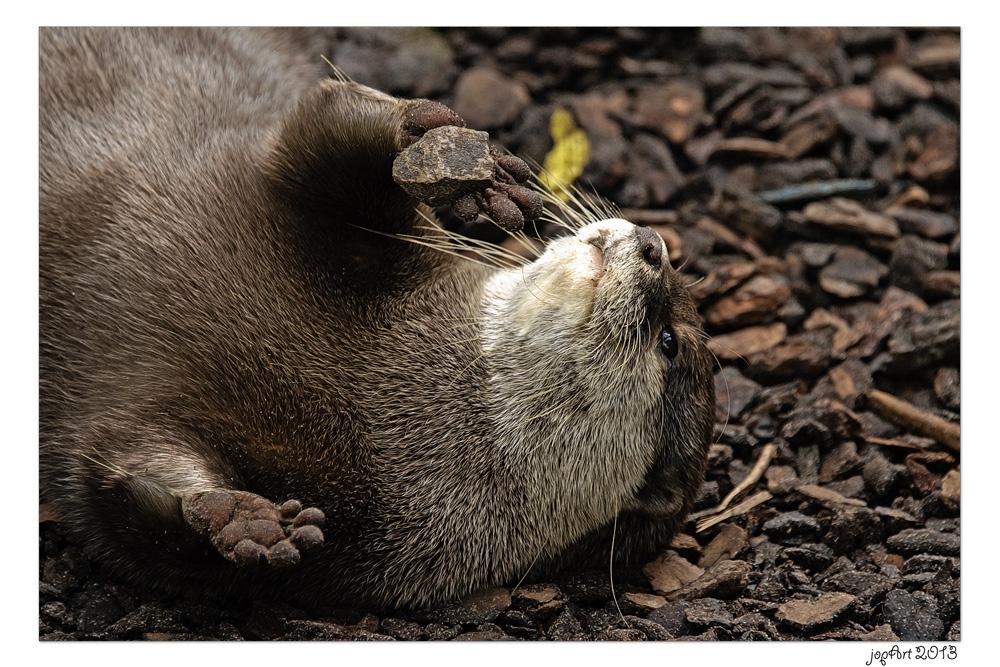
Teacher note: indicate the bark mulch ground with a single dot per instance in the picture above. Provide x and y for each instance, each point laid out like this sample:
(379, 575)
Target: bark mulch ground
(807, 181)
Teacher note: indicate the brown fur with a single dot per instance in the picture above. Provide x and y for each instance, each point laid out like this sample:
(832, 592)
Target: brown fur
(213, 315)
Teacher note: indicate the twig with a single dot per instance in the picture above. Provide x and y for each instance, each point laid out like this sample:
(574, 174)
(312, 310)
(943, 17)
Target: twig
(912, 418)
(740, 508)
(756, 473)
(719, 512)
(814, 190)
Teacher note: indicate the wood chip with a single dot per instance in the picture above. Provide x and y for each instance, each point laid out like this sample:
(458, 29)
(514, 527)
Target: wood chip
(726, 544)
(748, 341)
(940, 155)
(684, 542)
(758, 300)
(781, 479)
(912, 194)
(800, 139)
(727, 579)
(430, 171)
(669, 573)
(847, 215)
(951, 489)
(753, 146)
(825, 495)
(808, 614)
(675, 109)
(912, 418)
(891, 442)
(646, 601)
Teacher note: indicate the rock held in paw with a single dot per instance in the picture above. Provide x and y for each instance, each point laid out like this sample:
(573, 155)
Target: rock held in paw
(446, 164)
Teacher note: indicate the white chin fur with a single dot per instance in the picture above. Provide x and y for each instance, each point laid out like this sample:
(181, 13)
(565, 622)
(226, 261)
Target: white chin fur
(564, 278)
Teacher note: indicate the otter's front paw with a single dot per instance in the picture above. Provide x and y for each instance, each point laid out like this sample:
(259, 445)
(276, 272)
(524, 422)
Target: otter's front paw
(247, 528)
(442, 163)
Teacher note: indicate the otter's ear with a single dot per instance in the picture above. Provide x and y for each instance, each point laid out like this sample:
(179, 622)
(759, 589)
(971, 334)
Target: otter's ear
(331, 161)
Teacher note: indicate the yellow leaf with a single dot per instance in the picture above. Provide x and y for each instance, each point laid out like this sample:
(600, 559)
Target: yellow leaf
(569, 155)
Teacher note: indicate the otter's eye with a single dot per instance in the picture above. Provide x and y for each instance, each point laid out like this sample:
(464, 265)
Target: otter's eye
(668, 343)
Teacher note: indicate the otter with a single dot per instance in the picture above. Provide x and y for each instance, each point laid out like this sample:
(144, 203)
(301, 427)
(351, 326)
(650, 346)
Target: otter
(261, 376)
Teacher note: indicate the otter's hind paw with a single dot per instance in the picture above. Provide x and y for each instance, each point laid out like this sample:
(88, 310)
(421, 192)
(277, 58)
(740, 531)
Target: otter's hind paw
(442, 163)
(247, 528)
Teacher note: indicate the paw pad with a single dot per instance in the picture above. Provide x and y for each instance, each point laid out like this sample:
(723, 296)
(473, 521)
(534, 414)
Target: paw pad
(249, 529)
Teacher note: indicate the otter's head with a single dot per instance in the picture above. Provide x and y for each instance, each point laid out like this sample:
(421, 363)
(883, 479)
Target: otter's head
(604, 366)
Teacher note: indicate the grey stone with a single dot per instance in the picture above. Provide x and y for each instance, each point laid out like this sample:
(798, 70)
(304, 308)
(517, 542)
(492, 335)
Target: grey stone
(913, 616)
(792, 528)
(486, 98)
(708, 611)
(479, 607)
(921, 540)
(671, 618)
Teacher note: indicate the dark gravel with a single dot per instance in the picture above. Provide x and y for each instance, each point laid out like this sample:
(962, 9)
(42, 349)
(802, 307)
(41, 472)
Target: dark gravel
(807, 181)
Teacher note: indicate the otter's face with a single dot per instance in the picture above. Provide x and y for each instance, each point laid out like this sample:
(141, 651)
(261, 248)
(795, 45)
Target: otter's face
(610, 312)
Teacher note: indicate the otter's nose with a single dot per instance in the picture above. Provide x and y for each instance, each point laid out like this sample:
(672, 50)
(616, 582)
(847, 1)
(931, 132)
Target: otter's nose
(650, 246)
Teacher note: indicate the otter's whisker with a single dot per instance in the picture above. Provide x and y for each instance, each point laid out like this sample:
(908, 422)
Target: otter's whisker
(464, 241)
(611, 570)
(338, 73)
(470, 365)
(528, 571)
(422, 241)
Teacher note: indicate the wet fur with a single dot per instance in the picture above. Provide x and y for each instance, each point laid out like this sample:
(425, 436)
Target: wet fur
(214, 315)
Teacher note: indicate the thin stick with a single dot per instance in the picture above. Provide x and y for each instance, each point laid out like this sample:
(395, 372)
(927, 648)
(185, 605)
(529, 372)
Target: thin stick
(763, 461)
(740, 508)
(912, 418)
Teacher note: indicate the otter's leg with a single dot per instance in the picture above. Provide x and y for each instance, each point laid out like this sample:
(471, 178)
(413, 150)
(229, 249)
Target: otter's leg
(247, 528)
(159, 493)
(332, 162)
